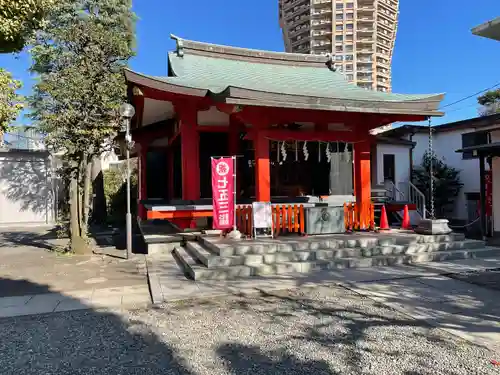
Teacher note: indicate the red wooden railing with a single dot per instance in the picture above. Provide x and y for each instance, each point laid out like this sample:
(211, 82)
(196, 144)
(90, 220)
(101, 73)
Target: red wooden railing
(355, 219)
(286, 218)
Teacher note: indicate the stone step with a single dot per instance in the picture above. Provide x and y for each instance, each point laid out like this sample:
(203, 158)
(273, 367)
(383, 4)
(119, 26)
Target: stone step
(186, 262)
(282, 266)
(226, 248)
(211, 260)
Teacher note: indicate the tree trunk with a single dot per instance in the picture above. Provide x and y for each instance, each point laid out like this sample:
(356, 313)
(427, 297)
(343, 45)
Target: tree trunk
(99, 210)
(81, 174)
(77, 243)
(86, 195)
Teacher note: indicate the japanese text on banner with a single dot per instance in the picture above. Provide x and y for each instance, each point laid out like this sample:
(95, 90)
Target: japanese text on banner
(223, 193)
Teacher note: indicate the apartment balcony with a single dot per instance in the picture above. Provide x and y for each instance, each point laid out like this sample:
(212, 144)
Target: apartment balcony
(364, 69)
(383, 74)
(321, 44)
(322, 22)
(364, 50)
(387, 26)
(364, 79)
(365, 30)
(321, 33)
(386, 15)
(365, 18)
(287, 5)
(296, 11)
(300, 40)
(299, 30)
(320, 12)
(298, 20)
(391, 5)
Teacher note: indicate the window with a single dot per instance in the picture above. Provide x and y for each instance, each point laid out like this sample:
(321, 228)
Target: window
(473, 139)
(349, 37)
(348, 48)
(340, 6)
(339, 27)
(339, 17)
(349, 5)
(339, 57)
(350, 16)
(339, 68)
(339, 38)
(338, 48)
(349, 57)
(350, 26)
(348, 68)
(349, 77)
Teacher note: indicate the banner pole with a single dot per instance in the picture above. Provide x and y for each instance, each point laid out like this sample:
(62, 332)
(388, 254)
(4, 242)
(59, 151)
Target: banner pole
(234, 192)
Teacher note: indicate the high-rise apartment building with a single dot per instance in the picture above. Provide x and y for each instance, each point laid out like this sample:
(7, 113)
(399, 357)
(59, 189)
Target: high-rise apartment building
(359, 33)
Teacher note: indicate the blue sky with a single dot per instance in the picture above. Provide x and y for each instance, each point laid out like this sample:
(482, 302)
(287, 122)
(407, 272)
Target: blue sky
(435, 50)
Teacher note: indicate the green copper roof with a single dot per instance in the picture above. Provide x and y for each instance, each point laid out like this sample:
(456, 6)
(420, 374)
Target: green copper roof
(276, 79)
(217, 74)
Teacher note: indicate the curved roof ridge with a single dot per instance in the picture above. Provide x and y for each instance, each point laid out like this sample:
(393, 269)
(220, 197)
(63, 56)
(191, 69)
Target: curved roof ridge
(185, 44)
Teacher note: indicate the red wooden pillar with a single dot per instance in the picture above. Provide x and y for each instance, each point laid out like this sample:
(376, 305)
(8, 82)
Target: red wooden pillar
(190, 155)
(170, 171)
(262, 168)
(362, 181)
(143, 192)
(233, 148)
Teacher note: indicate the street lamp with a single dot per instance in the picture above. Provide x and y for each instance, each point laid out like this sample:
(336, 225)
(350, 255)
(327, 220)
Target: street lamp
(127, 111)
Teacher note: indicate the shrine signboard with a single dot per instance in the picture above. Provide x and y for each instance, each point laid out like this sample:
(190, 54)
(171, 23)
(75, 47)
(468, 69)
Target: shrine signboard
(223, 192)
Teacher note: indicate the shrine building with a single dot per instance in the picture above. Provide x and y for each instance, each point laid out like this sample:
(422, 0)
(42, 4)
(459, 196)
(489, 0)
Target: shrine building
(301, 133)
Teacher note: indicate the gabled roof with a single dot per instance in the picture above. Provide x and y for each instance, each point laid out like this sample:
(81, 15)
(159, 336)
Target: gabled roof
(480, 123)
(252, 77)
(490, 29)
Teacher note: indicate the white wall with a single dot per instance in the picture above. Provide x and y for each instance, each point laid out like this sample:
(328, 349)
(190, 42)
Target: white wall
(402, 162)
(445, 144)
(495, 137)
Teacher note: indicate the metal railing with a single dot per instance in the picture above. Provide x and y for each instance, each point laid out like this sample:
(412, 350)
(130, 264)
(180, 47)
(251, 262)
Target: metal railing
(409, 193)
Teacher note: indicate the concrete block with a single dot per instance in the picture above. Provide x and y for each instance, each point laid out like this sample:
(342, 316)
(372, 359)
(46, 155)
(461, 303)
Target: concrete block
(293, 256)
(337, 253)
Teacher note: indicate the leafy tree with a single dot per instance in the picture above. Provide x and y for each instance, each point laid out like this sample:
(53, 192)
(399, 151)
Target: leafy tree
(18, 20)
(79, 56)
(446, 180)
(489, 102)
(10, 101)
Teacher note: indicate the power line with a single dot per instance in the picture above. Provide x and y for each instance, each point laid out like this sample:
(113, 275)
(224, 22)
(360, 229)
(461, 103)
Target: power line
(471, 96)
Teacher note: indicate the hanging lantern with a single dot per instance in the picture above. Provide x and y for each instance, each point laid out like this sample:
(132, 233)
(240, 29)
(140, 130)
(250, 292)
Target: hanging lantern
(305, 151)
(283, 151)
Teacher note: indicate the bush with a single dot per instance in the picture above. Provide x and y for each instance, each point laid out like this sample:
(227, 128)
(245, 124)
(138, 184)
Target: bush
(115, 191)
(446, 181)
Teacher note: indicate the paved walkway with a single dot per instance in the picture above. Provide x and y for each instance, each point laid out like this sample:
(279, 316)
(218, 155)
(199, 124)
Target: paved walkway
(34, 280)
(422, 292)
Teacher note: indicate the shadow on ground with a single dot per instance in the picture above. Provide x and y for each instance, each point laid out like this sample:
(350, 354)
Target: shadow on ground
(103, 342)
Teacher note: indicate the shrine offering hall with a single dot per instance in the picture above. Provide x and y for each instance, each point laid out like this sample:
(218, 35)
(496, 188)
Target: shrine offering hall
(300, 132)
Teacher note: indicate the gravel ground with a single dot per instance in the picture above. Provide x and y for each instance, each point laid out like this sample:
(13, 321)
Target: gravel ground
(321, 331)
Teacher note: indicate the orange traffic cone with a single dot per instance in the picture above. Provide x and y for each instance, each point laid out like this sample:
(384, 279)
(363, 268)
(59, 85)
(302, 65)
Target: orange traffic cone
(384, 223)
(406, 219)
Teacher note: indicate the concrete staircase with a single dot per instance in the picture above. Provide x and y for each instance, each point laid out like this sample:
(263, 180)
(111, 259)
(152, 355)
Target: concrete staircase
(209, 258)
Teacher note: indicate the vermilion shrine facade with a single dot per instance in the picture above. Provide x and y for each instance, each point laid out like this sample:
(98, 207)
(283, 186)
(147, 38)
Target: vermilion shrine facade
(300, 131)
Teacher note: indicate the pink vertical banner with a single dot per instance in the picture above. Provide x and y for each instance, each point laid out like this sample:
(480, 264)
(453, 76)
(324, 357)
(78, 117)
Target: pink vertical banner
(223, 192)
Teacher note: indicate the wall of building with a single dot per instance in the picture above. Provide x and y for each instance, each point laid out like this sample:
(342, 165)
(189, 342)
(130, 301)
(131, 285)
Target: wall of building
(445, 144)
(495, 137)
(27, 188)
(402, 162)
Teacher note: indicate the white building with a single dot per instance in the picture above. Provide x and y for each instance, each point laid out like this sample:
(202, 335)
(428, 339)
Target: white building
(447, 138)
